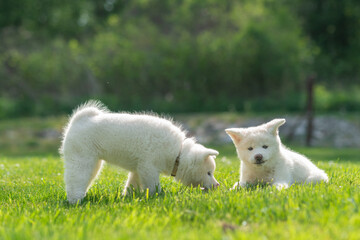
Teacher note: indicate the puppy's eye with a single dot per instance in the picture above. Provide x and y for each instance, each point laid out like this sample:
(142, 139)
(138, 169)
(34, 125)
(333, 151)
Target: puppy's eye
(250, 148)
(209, 173)
(265, 147)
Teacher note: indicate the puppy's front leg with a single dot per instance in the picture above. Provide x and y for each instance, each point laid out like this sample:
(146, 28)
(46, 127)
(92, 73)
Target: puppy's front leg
(282, 178)
(245, 178)
(149, 179)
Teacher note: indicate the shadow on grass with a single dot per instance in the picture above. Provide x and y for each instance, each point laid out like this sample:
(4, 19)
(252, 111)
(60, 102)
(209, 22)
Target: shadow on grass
(104, 197)
(253, 186)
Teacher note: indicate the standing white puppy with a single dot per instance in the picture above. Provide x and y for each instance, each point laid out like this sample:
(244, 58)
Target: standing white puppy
(144, 145)
(265, 159)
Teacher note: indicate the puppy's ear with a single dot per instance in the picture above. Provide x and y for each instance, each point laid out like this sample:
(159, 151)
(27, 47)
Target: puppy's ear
(274, 125)
(210, 152)
(236, 134)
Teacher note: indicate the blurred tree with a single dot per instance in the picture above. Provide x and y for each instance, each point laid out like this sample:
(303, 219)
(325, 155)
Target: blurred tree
(184, 55)
(334, 26)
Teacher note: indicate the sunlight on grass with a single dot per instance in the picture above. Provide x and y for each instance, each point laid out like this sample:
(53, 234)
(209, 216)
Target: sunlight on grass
(33, 204)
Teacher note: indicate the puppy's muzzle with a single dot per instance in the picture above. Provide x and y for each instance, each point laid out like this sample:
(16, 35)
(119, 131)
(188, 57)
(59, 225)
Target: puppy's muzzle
(259, 159)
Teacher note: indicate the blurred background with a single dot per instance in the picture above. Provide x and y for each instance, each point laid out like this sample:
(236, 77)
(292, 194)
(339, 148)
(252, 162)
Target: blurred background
(244, 61)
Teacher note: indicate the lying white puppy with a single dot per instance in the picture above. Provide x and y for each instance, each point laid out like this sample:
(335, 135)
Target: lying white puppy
(265, 159)
(144, 145)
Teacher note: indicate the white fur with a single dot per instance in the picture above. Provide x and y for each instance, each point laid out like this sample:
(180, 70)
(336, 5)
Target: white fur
(281, 166)
(142, 144)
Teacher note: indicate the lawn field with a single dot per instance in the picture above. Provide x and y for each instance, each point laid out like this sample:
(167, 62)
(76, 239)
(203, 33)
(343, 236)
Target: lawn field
(33, 204)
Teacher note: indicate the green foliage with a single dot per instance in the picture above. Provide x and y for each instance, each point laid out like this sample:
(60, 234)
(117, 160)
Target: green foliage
(333, 26)
(178, 56)
(343, 99)
(173, 56)
(33, 204)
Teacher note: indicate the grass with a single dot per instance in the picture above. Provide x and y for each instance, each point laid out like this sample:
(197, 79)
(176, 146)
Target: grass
(33, 204)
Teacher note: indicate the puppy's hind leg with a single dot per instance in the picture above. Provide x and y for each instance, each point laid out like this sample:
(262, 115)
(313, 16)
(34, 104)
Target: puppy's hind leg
(79, 174)
(133, 181)
(317, 178)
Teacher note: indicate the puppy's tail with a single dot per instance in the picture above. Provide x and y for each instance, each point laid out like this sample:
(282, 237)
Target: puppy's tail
(88, 109)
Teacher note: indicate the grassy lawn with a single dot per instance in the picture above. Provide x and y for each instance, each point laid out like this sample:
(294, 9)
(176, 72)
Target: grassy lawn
(33, 206)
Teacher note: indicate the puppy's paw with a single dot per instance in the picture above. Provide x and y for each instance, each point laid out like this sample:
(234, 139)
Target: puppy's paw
(238, 185)
(73, 201)
(280, 186)
(127, 192)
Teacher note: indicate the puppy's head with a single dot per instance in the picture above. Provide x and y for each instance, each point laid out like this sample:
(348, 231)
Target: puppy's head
(197, 165)
(257, 145)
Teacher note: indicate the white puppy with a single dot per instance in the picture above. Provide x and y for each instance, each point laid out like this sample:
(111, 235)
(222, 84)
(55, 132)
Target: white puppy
(265, 159)
(142, 144)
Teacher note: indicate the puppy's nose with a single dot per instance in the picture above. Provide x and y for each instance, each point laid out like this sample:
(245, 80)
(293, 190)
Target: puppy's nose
(217, 185)
(258, 157)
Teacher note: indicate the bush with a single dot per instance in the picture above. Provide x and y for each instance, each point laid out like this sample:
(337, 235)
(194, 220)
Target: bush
(164, 56)
(335, 100)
